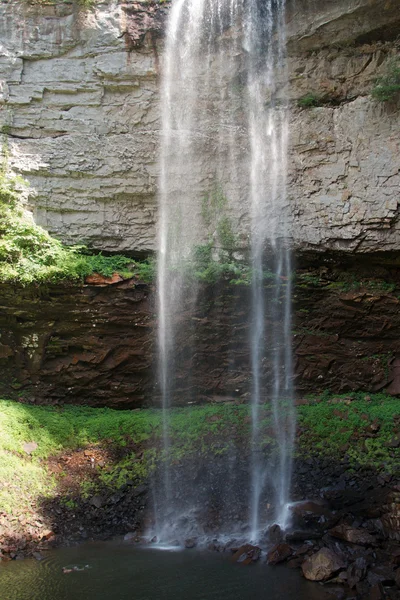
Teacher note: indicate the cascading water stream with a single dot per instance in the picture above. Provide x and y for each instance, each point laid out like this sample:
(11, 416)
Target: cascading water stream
(224, 125)
(268, 132)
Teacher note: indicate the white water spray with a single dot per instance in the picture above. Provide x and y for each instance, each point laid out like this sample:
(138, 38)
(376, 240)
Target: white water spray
(225, 125)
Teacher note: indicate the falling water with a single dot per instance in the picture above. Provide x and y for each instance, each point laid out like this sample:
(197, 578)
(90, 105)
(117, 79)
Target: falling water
(268, 132)
(224, 127)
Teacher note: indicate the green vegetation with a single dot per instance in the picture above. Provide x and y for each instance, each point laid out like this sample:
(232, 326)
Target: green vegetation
(387, 87)
(205, 267)
(29, 254)
(129, 439)
(357, 425)
(344, 281)
(309, 100)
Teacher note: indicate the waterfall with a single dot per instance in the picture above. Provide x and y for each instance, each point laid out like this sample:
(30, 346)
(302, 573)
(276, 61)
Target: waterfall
(270, 254)
(223, 150)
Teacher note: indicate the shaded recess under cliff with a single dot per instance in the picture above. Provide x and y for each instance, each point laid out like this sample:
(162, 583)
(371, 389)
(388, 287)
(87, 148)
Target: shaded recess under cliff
(96, 344)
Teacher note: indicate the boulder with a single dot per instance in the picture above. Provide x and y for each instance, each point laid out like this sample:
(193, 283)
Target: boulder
(397, 578)
(322, 565)
(275, 534)
(279, 553)
(97, 501)
(247, 554)
(312, 515)
(353, 535)
(383, 574)
(356, 571)
(377, 592)
(302, 536)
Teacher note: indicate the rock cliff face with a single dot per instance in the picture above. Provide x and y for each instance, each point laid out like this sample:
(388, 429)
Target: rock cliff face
(80, 116)
(96, 344)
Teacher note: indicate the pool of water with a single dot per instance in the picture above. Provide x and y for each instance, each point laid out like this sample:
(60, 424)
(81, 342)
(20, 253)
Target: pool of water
(115, 571)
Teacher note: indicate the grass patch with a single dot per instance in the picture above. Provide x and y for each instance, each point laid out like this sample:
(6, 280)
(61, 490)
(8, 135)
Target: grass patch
(55, 430)
(333, 427)
(355, 425)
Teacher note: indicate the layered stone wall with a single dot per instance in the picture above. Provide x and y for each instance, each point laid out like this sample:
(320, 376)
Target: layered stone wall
(96, 344)
(81, 120)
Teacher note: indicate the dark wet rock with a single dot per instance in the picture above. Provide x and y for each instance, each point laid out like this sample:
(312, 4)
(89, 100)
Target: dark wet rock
(295, 563)
(356, 572)
(336, 591)
(394, 442)
(397, 578)
(190, 543)
(352, 535)
(340, 578)
(115, 498)
(275, 534)
(377, 592)
(139, 490)
(381, 574)
(302, 536)
(247, 554)
(322, 565)
(97, 501)
(279, 553)
(362, 589)
(304, 549)
(313, 515)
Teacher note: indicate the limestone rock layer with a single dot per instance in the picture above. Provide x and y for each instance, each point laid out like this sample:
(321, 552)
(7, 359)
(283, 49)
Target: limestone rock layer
(81, 121)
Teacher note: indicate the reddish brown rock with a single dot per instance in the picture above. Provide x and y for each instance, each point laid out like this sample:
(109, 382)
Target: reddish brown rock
(279, 553)
(95, 344)
(247, 554)
(97, 279)
(353, 535)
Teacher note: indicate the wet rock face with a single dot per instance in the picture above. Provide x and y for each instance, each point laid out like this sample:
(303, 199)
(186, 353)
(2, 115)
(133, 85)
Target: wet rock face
(96, 343)
(81, 92)
(66, 344)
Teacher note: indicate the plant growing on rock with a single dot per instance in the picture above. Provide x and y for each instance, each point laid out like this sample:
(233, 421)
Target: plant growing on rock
(29, 254)
(309, 100)
(387, 87)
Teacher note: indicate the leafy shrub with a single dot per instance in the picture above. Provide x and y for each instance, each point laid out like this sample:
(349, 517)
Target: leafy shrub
(309, 100)
(28, 253)
(387, 87)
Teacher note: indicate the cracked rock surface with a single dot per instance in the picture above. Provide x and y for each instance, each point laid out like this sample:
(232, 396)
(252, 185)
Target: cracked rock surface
(81, 119)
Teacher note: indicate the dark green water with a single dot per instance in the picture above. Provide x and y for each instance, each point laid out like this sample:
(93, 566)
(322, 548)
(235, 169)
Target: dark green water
(123, 572)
